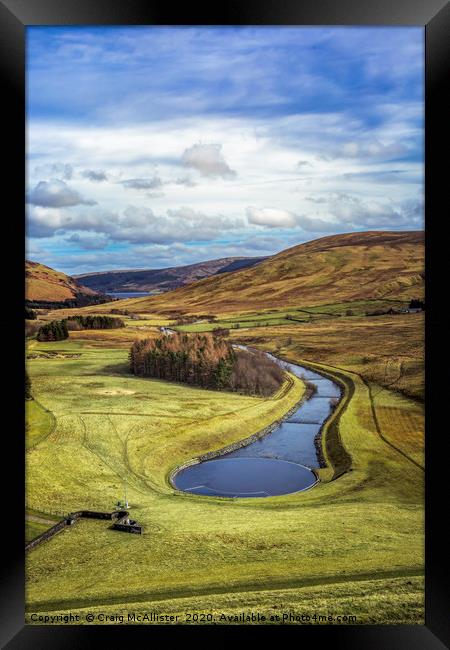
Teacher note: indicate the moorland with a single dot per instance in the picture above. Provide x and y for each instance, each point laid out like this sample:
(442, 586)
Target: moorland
(352, 545)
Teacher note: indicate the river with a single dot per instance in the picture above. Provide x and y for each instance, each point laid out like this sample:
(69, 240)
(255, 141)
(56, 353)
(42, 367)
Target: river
(280, 462)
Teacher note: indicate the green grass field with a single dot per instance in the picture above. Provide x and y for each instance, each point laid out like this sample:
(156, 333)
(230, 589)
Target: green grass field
(295, 315)
(352, 546)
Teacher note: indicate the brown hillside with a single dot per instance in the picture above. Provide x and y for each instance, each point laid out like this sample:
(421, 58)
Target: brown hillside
(160, 280)
(44, 283)
(354, 266)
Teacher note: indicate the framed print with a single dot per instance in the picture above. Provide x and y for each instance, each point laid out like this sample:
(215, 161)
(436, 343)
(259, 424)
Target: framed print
(233, 265)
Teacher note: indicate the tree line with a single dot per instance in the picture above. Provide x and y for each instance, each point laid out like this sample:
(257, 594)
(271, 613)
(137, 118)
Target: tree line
(58, 330)
(207, 361)
(94, 322)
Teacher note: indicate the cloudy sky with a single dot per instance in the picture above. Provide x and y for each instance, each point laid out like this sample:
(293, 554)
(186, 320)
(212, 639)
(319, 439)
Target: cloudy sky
(150, 147)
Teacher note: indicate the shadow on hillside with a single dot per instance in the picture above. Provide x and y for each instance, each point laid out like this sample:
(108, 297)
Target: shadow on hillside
(121, 368)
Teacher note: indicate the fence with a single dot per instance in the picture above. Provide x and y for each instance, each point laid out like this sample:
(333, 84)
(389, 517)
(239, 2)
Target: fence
(122, 524)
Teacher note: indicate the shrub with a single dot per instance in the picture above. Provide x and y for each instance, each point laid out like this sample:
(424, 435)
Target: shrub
(73, 325)
(255, 373)
(185, 320)
(30, 314)
(123, 312)
(310, 387)
(220, 331)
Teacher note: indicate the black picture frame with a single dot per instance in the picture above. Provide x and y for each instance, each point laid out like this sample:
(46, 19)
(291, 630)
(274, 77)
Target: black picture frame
(434, 16)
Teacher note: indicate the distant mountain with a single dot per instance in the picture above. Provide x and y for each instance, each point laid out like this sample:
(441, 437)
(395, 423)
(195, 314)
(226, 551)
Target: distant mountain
(354, 266)
(161, 280)
(44, 285)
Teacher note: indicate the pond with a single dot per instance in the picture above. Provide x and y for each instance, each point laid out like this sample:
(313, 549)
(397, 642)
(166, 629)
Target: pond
(280, 462)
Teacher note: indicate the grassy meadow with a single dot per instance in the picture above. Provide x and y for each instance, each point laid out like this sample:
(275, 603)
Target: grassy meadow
(351, 546)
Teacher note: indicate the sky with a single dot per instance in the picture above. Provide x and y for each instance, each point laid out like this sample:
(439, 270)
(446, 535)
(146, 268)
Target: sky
(150, 147)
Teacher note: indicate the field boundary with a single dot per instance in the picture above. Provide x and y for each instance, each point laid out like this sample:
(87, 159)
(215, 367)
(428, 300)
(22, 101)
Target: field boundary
(119, 515)
(378, 429)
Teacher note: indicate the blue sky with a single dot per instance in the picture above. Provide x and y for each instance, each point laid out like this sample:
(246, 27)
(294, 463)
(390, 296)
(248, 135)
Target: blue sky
(150, 147)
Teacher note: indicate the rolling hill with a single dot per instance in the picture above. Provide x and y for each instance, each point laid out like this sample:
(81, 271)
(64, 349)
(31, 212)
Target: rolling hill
(160, 280)
(345, 267)
(45, 285)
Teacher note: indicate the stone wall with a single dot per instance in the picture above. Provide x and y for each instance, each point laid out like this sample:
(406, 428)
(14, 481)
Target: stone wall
(119, 515)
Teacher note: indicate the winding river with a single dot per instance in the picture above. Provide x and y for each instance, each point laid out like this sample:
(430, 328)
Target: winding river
(282, 462)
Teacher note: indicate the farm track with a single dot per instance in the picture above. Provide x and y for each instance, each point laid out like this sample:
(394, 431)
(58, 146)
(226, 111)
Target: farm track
(215, 590)
(89, 448)
(40, 520)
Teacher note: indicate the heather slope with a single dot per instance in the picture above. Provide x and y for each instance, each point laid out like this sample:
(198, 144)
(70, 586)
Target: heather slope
(46, 284)
(355, 266)
(160, 280)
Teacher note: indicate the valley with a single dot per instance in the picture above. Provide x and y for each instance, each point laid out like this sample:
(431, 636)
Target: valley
(93, 425)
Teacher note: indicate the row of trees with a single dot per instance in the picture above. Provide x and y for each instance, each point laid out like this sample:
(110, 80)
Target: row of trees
(94, 322)
(207, 361)
(56, 330)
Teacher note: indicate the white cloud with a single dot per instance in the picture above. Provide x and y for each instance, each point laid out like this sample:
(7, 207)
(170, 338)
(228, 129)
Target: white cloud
(198, 207)
(208, 160)
(143, 183)
(45, 222)
(96, 175)
(54, 170)
(88, 242)
(277, 218)
(271, 217)
(185, 180)
(56, 194)
(141, 225)
(371, 149)
(358, 212)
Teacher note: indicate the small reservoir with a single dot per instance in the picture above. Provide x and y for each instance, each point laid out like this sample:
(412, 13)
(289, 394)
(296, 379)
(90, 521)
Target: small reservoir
(280, 462)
